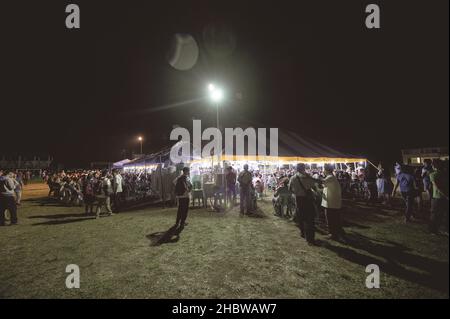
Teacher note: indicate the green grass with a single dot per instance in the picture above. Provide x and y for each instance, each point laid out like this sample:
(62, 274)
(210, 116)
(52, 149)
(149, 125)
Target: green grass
(216, 256)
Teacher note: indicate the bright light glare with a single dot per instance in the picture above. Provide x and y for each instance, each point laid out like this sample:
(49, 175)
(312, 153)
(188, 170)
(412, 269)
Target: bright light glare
(216, 95)
(140, 138)
(211, 87)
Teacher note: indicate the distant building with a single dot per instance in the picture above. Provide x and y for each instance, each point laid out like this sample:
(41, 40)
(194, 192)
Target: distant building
(415, 156)
(25, 163)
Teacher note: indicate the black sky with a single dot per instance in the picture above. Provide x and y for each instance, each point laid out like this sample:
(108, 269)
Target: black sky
(308, 66)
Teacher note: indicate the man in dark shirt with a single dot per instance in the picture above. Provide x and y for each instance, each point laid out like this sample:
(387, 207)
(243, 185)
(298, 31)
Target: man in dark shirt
(184, 186)
(406, 182)
(302, 185)
(245, 184)
(231, 186)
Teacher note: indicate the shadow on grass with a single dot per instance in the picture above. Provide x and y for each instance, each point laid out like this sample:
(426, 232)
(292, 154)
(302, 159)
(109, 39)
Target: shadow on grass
(62, 222)
(58, 216)
(376, 211)
(257, 213)
(346, 223)
(392, 258)
(44, 201)
(60, 219)
(172, 235)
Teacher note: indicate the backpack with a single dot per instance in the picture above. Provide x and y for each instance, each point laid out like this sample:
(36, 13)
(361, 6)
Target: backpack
(180, 186)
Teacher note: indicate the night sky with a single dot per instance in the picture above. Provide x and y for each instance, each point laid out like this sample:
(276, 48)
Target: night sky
(307, 66)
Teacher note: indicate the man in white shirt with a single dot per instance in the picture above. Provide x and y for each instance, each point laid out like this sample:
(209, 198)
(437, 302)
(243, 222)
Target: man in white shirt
(117, 190)
(332, 203)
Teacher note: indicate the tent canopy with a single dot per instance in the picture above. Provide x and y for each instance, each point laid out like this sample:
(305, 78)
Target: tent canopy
(295, 148)
(291, 148)
(121, 163)
(161, 157)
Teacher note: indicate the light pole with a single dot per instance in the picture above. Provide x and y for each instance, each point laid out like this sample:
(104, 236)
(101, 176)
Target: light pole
(216, 95)
(140, 141)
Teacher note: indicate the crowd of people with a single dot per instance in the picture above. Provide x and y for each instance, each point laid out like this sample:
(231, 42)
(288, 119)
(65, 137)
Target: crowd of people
(298, 193)
(10, 195)
(98, 189)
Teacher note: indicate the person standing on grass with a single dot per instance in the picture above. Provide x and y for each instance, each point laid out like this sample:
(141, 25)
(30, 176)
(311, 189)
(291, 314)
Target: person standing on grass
(384, 185)
(282, 199)
(332, 203)
(406, 182)
(183, 188)
(89, 193)
(104, 195)
(7, 200)
(370, 181)
(301, 184)
(26, 177)
(245, 179)
(420, 189)
(117, 189)
(18, 187)
(231, 186)
(439, 203)
(426, 171)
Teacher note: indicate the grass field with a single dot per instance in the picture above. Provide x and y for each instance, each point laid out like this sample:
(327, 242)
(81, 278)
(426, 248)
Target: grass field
(216, 256)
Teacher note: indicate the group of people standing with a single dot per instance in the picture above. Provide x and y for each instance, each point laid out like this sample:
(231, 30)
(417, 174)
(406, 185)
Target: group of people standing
(11, 185)
(433, 179)
(311, 192)
(300, 185)
(101, 190)
(305, 189)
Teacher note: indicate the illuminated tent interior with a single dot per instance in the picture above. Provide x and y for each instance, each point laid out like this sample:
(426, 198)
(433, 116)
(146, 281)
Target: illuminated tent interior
(292, 149)
(295, 148)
